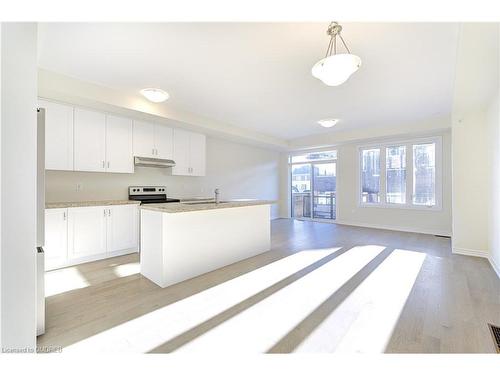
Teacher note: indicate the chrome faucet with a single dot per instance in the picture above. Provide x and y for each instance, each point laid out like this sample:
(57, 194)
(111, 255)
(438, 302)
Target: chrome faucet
(217, 193)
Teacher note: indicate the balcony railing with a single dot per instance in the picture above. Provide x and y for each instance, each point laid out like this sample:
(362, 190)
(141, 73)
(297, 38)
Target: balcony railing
(324, 205)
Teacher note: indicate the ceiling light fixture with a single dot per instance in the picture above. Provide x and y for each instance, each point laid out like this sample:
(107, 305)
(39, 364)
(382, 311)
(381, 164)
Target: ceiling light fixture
(155, 95)
(328, 122)
(334, 69)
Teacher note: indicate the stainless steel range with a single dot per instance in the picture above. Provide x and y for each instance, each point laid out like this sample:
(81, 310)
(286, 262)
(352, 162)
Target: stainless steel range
(150, 194)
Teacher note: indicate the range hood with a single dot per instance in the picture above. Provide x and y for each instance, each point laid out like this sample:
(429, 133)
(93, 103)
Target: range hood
(153, 162)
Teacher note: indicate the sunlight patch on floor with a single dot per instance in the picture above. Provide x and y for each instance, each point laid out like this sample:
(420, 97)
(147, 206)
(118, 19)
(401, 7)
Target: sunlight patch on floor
(155, 328)
(261, 326)
(127, 269)
(364, 322)
(63, 280)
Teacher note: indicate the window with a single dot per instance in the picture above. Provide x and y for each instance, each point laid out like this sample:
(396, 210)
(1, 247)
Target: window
(395, 172)
(424, 174)
(406, 174)
(370, 179)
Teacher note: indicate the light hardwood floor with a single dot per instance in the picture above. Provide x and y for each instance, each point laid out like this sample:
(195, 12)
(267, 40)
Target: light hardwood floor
(322, 288)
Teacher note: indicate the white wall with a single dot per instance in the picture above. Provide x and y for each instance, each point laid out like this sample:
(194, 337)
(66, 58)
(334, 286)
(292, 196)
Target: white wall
(493, 125)
(238, 170)
(18, 179)
(476, 84)
(470, 185)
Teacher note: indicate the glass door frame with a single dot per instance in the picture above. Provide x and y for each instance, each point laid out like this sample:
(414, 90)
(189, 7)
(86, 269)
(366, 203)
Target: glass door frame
(311, 208)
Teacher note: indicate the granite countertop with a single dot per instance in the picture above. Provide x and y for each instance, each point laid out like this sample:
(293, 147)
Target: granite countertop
(184, 207)
(89, 203)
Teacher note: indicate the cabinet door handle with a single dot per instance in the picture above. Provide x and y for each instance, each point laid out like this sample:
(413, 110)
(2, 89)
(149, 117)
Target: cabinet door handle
(104, 212)
(64, 215)
(152, 151)
(108, 164)
(103, 164)
(109, 212)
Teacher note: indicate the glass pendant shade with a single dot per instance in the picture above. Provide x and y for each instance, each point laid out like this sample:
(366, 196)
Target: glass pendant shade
(334, 70)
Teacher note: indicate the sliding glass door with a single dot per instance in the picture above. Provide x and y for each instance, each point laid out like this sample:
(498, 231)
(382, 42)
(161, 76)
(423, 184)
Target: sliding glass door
(301, 190)
(324, 189)
(313, 185)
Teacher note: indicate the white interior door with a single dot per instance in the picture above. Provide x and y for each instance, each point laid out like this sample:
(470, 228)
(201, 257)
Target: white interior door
(86, 231)
(144, 139)
(181, 152)
(122, 227)
(89, 140)
(58, 135)
(119, 145)
(197, 148)
(56, 238)
(164, 142)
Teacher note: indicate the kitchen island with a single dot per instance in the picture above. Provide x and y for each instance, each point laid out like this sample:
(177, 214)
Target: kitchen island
(181, 240)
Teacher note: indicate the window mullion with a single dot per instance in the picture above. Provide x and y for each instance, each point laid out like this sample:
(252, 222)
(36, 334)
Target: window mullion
(383, 174)
(409, 174)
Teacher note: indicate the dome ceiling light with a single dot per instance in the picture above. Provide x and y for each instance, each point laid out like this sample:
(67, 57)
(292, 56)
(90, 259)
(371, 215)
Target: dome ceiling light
(335, 68)
(155, 95)
(328, 122)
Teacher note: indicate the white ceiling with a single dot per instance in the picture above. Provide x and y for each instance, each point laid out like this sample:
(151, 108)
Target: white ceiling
(257, 75)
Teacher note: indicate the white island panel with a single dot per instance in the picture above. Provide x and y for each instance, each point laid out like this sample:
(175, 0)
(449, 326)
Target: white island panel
(179, 246)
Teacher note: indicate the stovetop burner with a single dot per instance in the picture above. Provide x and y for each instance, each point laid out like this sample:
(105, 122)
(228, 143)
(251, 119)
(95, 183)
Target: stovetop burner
(150, 194)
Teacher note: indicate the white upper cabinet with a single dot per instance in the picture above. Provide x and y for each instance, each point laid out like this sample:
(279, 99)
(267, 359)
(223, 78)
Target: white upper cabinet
(181, 153)
(189, 153)
(89, 141)
(119, 145)
(144, 139)
(197, 154)
(84, 140)
(152, 140)
(164, 142)
(58, 135)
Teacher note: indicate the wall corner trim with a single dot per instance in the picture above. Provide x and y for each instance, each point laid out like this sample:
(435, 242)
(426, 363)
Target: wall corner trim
(495, 266)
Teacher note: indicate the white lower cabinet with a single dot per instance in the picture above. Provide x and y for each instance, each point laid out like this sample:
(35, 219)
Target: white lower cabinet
(122, 227)
(86, 232)
(81, 234)
(56, 238)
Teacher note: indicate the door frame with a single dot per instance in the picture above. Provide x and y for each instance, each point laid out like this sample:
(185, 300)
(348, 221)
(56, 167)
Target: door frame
(312, 164)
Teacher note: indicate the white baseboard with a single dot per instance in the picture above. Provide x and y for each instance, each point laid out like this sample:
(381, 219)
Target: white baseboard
(470, 252)
(395, 228)
(495, 266)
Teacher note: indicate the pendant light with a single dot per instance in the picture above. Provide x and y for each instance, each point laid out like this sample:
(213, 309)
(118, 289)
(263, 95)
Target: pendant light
(335, 68)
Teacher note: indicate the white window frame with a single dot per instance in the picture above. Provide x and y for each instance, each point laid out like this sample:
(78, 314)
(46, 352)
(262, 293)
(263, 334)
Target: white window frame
(437, 140)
